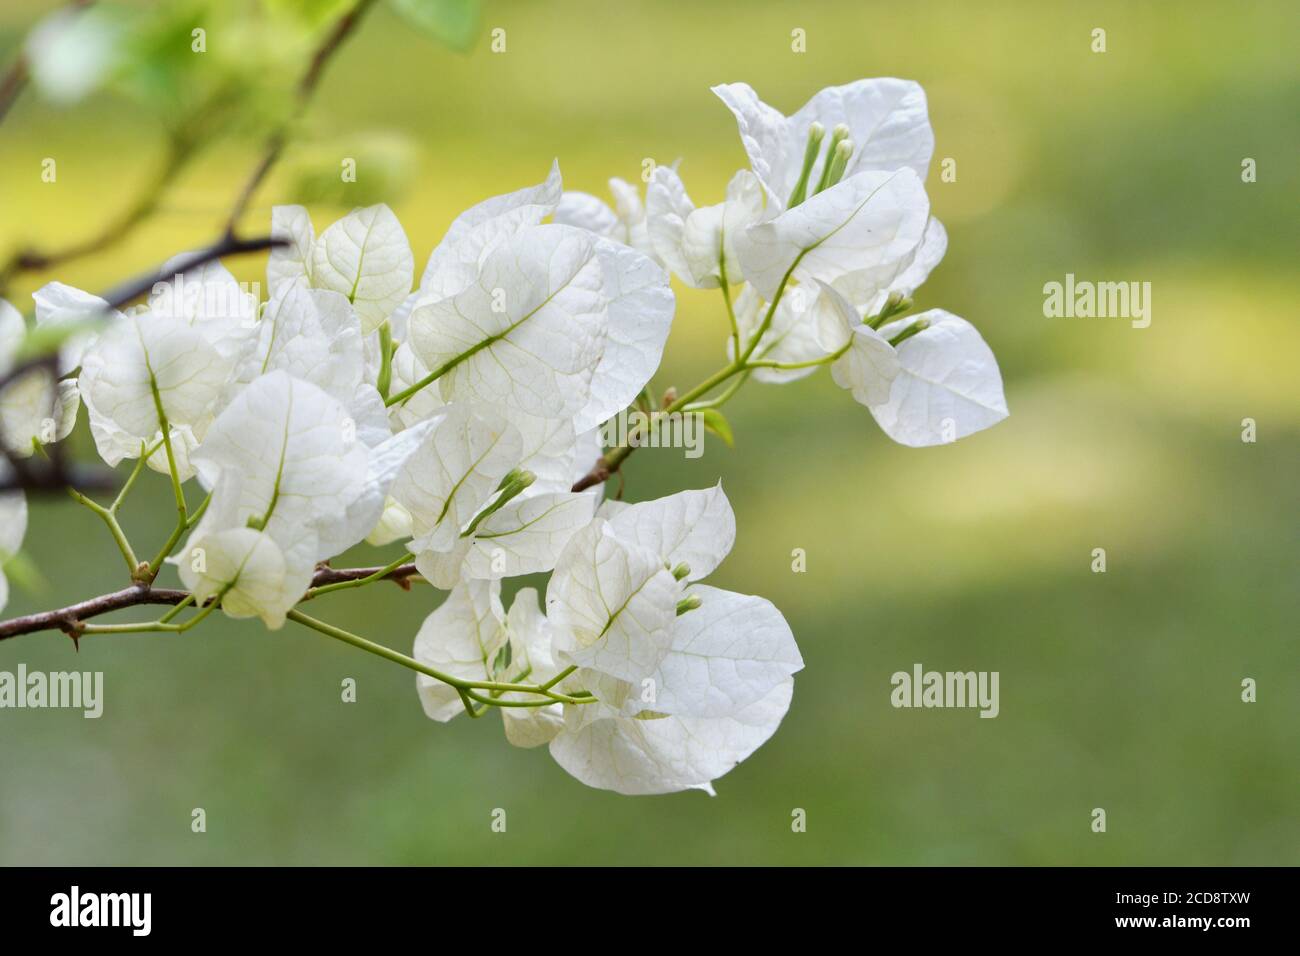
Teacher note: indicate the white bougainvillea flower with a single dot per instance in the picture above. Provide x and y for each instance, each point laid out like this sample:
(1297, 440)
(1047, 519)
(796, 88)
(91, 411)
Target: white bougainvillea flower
(885, 118)
(691, 679)
(624, 223)
(638, 311)
(144, 362)
(13, 526)
(698, 244)
(612, 604)
(364, 256)
(315, 336)
(36, 408)
(948, 384)
(284, 459)
(528, 333)
(613, 598)
(872, 219)
(466, 519)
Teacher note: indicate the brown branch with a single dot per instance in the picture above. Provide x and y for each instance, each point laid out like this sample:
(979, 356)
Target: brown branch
(599, 474)
(68, 619)
(328, 575)
(228, 245)
(307, 84)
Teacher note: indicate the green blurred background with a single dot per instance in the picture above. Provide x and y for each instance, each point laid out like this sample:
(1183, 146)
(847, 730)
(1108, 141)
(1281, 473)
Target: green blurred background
(1118, 690)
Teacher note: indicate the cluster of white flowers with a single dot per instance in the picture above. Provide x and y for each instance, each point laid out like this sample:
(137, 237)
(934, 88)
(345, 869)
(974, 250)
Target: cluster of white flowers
(457, 418)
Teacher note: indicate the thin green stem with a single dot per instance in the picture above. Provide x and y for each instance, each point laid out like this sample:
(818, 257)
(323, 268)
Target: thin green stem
(465, 688)
(119, 536)
(726, 297)
(176, 610)
(771, 310)
(145, 452)
(385, 359)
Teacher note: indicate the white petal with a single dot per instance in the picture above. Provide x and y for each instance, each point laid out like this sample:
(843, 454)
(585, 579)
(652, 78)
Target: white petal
(290, 264)
(211, 301)
(640, 316)
(876, 218)
(667, 754)
(314, 335)
(458, 639)
(58, 304)
(365, 256)
(887, 120)
(726, 654)
(251, 572)
(528, 332)
(869, 288)
(697, 528)
(453, 263)
(137, 354)
(526, 536)
(667, 208)
(284, 454)
(612, 604)
(585, 211)
(948, 385)
(454, 472)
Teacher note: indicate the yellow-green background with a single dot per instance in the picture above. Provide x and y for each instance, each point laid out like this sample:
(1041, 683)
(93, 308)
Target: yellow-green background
(1118, 690)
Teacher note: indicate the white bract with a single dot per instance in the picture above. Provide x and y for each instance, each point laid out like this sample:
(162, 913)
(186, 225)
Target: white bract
(886, 118)
(364, 256)
(458, 417)
(36, 408)
(13, 526)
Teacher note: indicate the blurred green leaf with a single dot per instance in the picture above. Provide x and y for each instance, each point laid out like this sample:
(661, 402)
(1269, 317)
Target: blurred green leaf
(717, 423)
(453, 22)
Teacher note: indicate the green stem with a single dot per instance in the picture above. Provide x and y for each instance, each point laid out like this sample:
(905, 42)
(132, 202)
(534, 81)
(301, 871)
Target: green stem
(726, 297)
(464, 687)
(119, 536)
(386, 359)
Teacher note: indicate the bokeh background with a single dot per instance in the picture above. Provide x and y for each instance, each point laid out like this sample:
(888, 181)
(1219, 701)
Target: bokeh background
(1118, 690)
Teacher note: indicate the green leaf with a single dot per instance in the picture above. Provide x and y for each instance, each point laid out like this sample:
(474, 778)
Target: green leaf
(717, 423)
(453, 22)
